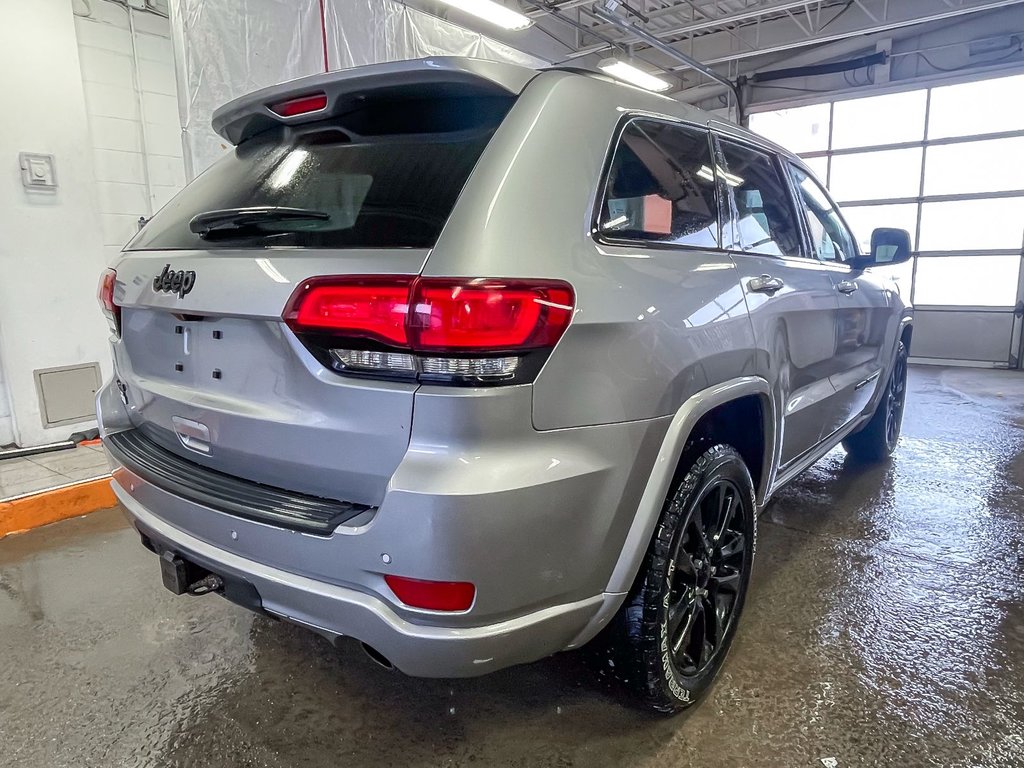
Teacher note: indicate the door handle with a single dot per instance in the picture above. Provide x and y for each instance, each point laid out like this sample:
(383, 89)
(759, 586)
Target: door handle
(846, 286)
(765, 284)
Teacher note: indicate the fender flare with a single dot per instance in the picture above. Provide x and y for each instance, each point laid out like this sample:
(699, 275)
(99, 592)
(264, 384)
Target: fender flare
(652, 500)
(655, 492)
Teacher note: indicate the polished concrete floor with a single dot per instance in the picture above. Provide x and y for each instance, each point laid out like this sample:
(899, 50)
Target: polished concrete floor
(885, 626)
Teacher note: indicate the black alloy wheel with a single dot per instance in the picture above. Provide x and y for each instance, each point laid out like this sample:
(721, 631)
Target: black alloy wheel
(895, 397)
(877, 439)
(705, 578)
(671, 636)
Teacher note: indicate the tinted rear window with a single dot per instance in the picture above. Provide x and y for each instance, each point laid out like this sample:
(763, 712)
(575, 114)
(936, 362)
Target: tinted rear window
(380, 191)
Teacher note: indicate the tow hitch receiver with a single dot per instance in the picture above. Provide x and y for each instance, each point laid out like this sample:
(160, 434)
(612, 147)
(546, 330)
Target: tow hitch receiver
(181, 576)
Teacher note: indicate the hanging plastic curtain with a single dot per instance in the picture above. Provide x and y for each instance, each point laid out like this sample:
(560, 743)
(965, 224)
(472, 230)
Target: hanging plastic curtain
(226, 48)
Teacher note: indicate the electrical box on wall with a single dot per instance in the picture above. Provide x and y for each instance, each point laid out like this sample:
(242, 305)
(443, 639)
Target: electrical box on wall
(68, 394)
(38, 172)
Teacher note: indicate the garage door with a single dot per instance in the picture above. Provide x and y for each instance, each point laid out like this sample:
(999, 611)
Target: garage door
(946, 164)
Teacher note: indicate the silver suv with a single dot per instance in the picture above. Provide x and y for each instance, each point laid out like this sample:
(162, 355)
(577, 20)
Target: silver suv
(475, 364)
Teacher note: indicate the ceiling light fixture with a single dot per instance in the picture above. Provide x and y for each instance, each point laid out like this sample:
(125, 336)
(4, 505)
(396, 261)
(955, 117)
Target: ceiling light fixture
(628, 73)
(493, 12)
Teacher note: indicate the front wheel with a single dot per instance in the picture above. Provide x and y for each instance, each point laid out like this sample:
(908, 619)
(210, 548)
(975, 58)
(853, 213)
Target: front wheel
(672, 635)
(877, 440)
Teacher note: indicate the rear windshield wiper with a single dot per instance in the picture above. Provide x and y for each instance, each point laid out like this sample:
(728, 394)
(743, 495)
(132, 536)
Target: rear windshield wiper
(228, 219)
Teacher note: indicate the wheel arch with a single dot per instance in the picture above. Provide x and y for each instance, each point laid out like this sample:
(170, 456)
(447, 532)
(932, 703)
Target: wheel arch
(685, 424)
(906, 332)
(690, 421)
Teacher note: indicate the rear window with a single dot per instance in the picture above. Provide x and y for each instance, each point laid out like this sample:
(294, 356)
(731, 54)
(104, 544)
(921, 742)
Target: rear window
(388, 190)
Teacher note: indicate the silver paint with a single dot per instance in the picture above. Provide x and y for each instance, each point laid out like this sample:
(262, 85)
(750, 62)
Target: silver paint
(543, 495)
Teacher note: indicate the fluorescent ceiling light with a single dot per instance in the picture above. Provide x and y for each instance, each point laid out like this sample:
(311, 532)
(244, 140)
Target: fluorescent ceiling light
(495, 13)
(285, 172)
(729, 178)
(626, 72)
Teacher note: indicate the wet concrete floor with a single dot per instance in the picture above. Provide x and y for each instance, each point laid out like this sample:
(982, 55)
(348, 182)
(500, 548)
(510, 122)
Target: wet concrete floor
(884, 627)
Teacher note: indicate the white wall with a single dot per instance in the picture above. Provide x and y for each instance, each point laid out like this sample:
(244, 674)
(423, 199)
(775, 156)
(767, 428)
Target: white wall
(69, 85)
(50, 252)
(137, 162)
(6, 422)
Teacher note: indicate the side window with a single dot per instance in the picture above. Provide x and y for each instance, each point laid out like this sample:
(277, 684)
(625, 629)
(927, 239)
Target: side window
(762, 218)
(661, 187)
(830, 239)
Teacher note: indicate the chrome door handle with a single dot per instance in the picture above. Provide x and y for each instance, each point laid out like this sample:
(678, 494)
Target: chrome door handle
(765, 284)
(846, 286)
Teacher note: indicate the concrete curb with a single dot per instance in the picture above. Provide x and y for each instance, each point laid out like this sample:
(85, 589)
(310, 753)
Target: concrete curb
(23, 513)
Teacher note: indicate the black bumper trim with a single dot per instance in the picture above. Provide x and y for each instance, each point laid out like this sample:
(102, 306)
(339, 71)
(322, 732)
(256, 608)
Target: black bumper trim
(227, 493)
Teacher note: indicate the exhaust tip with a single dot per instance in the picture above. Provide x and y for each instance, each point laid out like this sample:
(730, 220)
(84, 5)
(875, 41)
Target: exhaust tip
(377, 656)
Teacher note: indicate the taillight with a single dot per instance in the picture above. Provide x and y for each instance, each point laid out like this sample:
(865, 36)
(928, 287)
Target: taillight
(105, 296)
(433, 595)
(488, 314)
(300, 105)
(363, 308)
(465, 330)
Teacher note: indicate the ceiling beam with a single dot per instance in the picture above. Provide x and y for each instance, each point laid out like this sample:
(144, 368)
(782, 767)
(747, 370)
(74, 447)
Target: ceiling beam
(858, 31)
(566, 6)
(864, 21)
(651, 40)
(699, 26)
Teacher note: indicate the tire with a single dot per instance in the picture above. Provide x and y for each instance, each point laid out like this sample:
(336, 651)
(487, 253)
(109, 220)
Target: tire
(659, 640)
(877, 439)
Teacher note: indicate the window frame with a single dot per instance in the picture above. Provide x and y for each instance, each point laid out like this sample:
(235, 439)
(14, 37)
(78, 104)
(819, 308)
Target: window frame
(776, 159)
(792, 165)
(603, 237)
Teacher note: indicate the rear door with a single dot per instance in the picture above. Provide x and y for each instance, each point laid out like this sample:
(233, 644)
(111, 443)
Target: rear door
(208, 367)
(791, 297)
(865, 319)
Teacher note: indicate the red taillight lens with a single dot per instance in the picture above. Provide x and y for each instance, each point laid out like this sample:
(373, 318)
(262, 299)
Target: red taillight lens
(433, 595)
(488, 315)
(435, 314)
(300, 105)
(372, 308)
(105, 296)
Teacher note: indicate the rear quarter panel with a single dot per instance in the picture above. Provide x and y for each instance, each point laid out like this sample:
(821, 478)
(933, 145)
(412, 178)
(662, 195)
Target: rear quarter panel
(652, 326)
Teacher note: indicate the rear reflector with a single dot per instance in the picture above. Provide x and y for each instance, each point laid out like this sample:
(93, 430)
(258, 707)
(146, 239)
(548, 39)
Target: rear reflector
(105, 296)
(300, 105)
(432, 595)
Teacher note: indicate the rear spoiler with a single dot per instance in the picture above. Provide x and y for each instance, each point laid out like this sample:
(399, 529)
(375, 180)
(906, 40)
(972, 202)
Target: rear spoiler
(334, 93)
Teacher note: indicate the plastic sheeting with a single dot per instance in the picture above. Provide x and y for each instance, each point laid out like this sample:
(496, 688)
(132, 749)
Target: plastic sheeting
(226, 48)
(372, 31)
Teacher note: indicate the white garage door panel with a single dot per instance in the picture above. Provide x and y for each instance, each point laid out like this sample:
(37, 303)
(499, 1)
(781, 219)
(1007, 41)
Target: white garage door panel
(975, 335)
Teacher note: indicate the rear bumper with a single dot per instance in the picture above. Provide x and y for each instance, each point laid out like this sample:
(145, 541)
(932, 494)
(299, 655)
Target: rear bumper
(334, 611)
(536, 520)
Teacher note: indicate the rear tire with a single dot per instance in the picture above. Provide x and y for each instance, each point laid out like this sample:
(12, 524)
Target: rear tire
(672, 635)
(877, 440)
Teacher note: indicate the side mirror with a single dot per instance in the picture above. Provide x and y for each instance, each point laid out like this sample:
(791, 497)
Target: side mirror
(888, 246)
